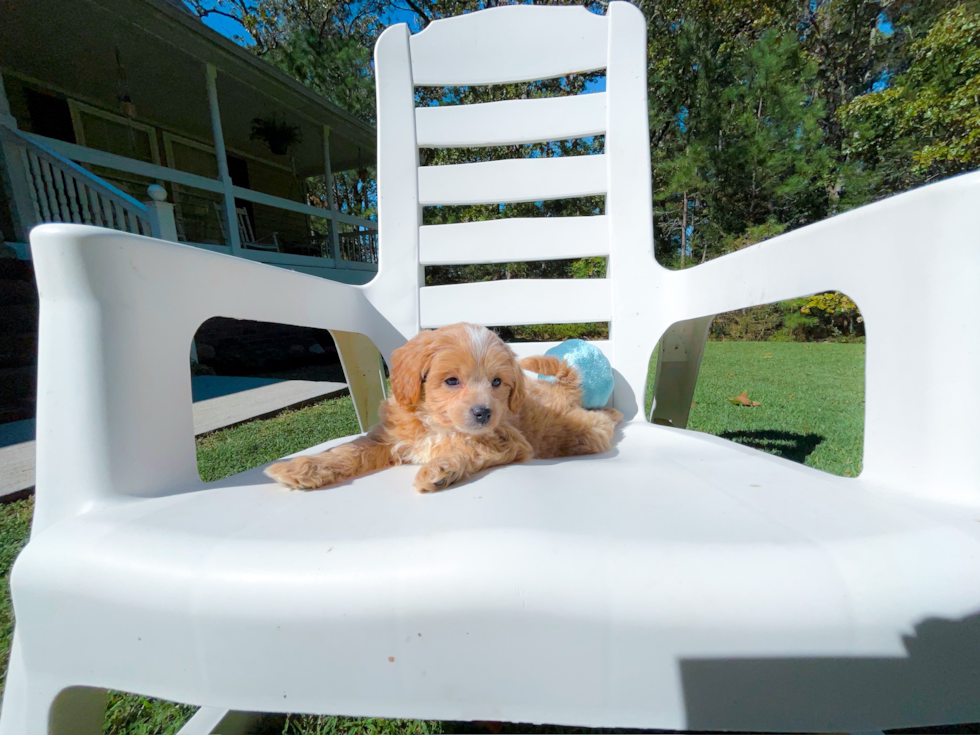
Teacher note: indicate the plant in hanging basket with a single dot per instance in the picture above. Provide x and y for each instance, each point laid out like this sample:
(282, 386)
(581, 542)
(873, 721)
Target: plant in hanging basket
(276, 133)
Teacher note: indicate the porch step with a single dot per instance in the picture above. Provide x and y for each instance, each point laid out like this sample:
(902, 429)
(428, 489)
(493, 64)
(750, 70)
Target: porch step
(17, 319)
(17, 383)
(16, 411)
(14, 269)
(18, 340)
(18, 350)
(17, 291)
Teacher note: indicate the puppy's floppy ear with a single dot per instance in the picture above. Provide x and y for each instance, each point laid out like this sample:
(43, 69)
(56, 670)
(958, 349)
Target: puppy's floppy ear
(409, 364)
(519, 391)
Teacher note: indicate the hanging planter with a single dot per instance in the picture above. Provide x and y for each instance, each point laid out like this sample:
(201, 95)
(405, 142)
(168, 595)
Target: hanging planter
(276, 133)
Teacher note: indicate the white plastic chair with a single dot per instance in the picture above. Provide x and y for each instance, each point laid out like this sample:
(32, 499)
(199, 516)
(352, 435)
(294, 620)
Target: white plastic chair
(679, 581)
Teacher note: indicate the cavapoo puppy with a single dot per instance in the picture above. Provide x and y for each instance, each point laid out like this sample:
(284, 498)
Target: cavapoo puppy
(460, 403)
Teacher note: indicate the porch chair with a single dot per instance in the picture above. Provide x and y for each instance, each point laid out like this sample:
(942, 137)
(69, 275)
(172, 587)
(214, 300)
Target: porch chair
(677, 581)
(247, 234)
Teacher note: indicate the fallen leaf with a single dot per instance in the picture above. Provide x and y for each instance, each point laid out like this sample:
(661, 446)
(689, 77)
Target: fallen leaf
(768, 354)
(731, 375)
(743, 400)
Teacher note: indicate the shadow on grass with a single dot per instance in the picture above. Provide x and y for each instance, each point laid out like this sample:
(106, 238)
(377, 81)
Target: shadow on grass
(785, 444)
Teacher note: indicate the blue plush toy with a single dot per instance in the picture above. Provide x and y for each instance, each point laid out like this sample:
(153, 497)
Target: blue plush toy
(592, 365)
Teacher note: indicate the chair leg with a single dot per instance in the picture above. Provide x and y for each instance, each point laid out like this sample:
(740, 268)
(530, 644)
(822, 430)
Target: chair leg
(362, 367)
(678, 362)
(34, 705)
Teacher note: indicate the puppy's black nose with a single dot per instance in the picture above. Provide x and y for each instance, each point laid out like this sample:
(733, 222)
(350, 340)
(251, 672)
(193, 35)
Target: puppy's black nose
(481, 414)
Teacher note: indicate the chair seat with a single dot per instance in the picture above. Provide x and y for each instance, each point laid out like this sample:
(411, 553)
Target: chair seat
(634, 588)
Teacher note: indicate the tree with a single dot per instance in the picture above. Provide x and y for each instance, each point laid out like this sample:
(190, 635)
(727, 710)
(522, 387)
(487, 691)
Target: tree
(926, 124)
(735, 124)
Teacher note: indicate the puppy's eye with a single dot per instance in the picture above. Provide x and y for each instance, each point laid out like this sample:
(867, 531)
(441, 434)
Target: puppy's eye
(452, 381)
(495, 382)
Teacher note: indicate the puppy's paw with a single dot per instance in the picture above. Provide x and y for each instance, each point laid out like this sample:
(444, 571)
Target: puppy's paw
(616, 416)
(436, 475)
(302, 473)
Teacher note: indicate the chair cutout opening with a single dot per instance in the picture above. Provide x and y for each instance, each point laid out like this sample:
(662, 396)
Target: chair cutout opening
(263, 390)
(785, 378)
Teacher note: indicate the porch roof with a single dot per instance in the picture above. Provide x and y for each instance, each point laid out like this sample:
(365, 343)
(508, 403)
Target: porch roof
(96, 50)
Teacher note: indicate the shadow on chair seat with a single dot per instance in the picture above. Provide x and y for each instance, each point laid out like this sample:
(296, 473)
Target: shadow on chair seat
(935, 683)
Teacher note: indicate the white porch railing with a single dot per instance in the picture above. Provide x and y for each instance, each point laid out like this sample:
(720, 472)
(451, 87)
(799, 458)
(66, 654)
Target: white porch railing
(359, 246)
(59, 190)
(357, 251)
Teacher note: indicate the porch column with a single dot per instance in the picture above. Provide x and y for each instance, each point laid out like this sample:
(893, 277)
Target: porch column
(14, 178)
(231, 218)
(6, 117)
(331, 204)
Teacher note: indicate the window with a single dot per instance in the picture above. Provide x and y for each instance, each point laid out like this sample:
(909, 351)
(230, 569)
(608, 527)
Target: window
(111, 133)
(50, 115)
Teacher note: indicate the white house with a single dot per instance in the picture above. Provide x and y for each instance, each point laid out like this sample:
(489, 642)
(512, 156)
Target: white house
(101, 99)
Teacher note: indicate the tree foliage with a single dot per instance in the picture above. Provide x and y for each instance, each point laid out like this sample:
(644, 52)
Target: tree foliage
(926, 125)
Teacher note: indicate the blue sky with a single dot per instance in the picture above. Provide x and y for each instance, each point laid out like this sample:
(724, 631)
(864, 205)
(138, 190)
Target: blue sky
(226, 27)
(230, 29)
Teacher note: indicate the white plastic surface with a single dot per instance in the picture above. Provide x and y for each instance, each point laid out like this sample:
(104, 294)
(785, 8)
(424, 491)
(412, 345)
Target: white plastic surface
(679, 581)
(517, 301)
(514, 180)
(514, 239)
(496, 48)
(511, 122)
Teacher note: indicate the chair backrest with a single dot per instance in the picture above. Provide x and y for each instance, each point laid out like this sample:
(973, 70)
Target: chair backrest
(519, 43)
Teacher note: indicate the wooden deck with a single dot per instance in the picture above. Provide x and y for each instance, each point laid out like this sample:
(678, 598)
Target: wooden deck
(219, 402)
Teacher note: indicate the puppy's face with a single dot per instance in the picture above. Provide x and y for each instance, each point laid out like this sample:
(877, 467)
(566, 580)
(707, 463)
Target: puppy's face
(461, 377)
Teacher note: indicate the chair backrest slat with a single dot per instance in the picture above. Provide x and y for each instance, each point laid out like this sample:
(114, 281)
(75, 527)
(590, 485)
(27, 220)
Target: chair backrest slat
(513, 180)
(511, 122)
(497, 46)
(514, 240)
(518, 301)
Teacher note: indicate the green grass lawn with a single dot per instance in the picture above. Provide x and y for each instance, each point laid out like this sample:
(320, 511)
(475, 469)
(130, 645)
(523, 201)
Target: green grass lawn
(811, 409)
(811, 400)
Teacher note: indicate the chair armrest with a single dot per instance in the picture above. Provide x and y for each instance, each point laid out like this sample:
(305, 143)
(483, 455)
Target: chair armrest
(117, 316)
(912, 265)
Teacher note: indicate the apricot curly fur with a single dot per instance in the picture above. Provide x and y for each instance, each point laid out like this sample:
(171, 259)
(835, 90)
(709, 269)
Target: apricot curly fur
(460, 404)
